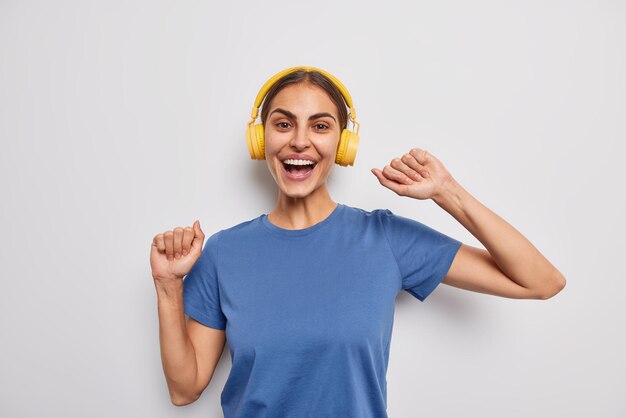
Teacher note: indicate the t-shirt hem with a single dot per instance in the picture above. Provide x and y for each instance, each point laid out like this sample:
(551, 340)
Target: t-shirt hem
(444, 266)
(204, 319)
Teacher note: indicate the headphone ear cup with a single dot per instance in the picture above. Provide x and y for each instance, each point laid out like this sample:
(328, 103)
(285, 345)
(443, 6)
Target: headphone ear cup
(255, 136)
(346, 150)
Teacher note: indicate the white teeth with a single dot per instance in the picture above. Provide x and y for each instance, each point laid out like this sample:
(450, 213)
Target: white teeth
(299, 162)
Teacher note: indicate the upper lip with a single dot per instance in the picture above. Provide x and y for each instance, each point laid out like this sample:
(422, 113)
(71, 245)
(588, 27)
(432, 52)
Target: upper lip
(298, 157)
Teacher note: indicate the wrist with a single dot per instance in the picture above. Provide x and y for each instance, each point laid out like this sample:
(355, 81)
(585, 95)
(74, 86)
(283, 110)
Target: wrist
(168, 288)
(449, 194)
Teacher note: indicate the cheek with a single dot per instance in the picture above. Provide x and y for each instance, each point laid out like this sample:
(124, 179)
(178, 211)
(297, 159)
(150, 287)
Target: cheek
(270, 144)
(331, 149)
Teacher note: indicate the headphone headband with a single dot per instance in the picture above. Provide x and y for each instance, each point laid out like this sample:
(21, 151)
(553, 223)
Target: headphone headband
(269, 83)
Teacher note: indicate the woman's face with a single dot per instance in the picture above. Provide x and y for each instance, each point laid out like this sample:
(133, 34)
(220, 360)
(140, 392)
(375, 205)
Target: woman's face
(302, 125)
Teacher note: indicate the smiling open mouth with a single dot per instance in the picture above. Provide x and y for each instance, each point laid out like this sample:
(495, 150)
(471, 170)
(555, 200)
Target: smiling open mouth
(298, 169)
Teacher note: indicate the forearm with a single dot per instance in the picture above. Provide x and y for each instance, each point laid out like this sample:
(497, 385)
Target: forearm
(514, 254)
(177, 352)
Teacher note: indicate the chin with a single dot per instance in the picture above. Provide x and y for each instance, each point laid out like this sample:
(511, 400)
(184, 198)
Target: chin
(296, 194)
(299, 191)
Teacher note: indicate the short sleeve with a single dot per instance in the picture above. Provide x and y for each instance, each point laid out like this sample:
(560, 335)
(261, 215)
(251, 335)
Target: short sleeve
(201, 297)
(423, 254)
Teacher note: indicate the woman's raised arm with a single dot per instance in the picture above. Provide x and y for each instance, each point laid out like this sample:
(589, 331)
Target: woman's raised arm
(510, 266)
(190, 351)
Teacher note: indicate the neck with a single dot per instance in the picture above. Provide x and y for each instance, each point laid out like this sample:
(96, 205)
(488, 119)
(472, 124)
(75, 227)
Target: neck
(302, 212)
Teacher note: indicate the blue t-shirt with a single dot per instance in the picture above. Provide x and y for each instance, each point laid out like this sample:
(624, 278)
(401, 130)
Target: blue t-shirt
(308, 313)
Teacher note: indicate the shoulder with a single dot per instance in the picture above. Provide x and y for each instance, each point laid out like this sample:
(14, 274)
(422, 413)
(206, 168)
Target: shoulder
(239, 231)
(356, 212)
(365, 219)
(395, 225)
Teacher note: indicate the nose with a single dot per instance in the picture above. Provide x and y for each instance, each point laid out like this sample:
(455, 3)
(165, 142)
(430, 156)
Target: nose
(300, 139)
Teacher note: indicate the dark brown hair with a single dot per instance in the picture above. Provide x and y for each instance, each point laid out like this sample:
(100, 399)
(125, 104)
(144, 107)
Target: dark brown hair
(313, 77)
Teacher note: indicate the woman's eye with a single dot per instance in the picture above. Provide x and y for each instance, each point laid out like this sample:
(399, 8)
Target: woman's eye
(321, 126)
(283, 125)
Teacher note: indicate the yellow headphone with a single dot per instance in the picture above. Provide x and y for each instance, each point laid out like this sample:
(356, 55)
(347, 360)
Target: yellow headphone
(255, 134)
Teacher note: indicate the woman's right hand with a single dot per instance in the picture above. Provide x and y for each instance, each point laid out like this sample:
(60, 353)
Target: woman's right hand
(173, 253)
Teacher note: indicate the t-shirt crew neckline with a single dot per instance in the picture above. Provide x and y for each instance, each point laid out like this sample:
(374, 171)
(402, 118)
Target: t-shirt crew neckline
(302, 232)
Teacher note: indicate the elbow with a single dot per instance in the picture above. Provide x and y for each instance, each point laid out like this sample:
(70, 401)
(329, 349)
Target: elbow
(557, 284)
(179, 400)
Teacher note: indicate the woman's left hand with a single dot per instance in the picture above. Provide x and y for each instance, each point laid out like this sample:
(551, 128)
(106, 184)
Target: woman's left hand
(418, 174)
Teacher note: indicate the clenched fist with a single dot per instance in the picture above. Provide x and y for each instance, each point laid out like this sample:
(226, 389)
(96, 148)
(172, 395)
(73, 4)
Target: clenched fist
(173, 253)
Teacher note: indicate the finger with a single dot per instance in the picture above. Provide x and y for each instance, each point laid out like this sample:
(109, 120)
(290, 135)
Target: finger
(159, 242)
(391, 185)
(421, 155)
(393, 174)
(168, 237)
(410, 160)
(178, 241)
(399, 164)
(188, 235)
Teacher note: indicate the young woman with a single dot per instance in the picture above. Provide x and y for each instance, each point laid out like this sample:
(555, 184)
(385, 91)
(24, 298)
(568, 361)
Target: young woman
(305, 294)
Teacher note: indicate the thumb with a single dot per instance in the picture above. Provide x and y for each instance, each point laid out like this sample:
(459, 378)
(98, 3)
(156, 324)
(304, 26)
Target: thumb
(198, 238)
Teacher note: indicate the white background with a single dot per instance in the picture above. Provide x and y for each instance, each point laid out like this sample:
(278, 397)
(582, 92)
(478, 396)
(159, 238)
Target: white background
(123, 119)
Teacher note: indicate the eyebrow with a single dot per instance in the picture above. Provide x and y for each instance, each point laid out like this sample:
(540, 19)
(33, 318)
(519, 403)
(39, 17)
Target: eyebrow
(292, 116)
